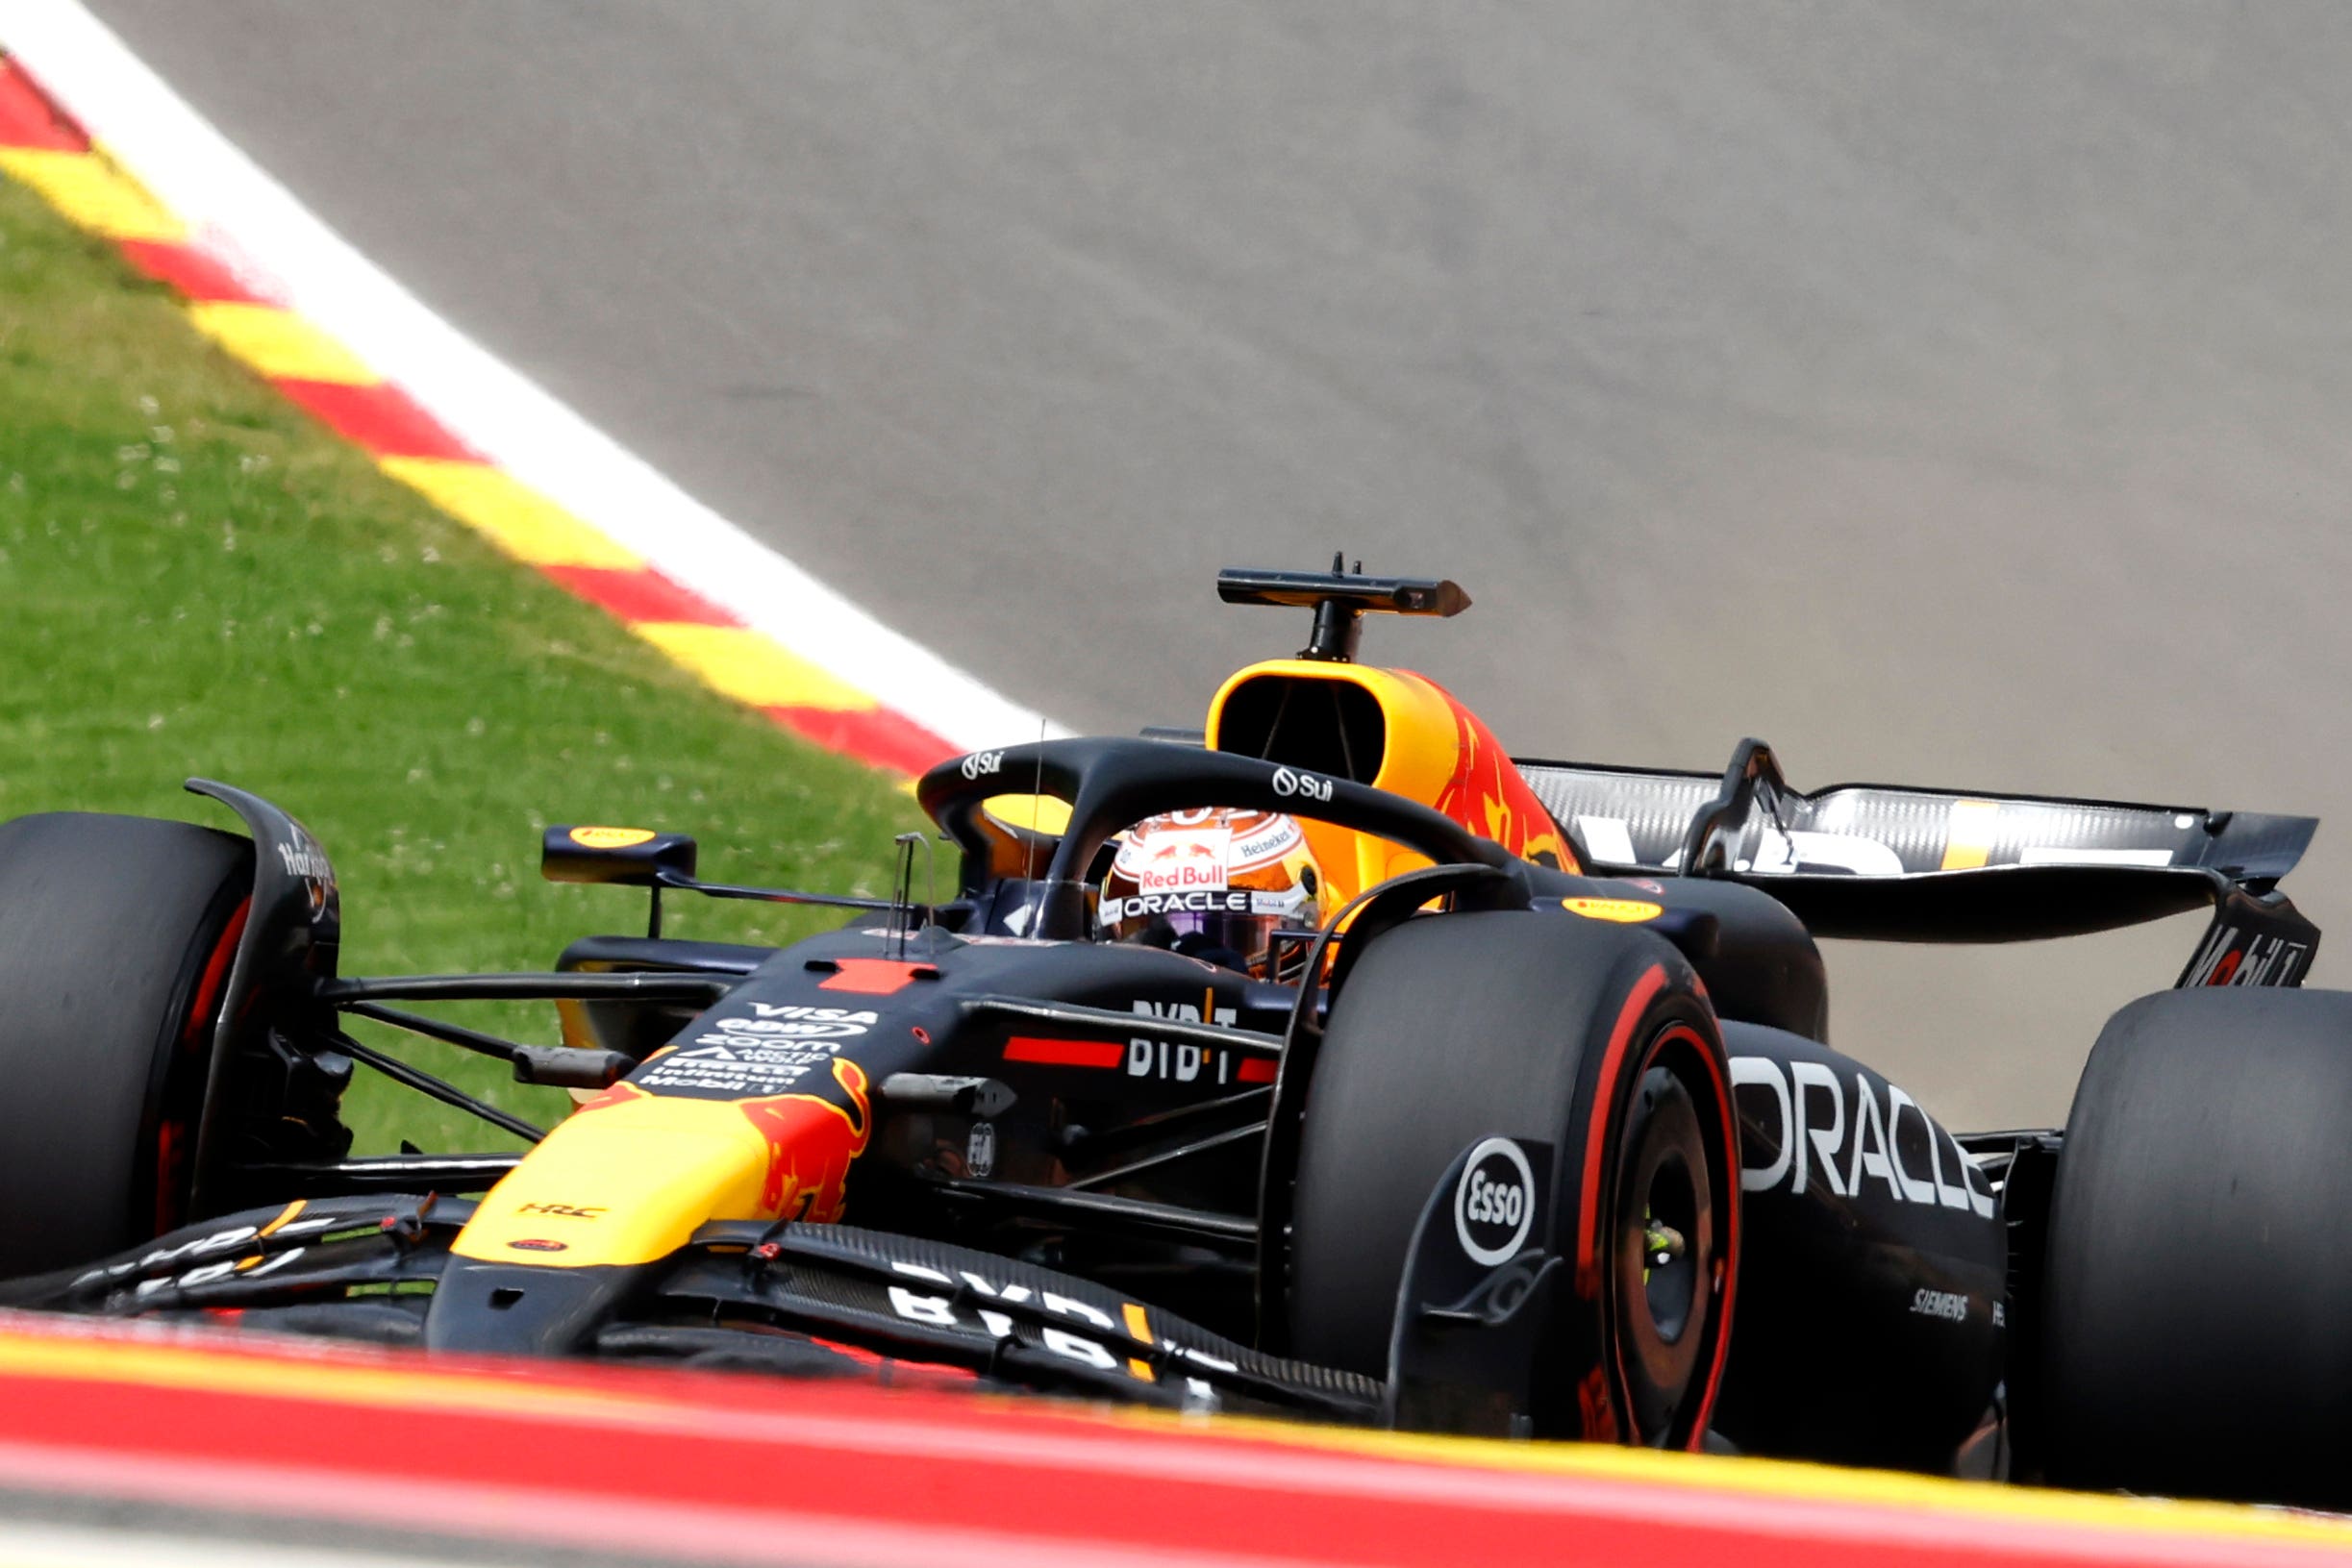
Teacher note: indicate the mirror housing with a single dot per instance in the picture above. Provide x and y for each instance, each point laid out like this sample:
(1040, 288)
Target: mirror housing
(615, 857)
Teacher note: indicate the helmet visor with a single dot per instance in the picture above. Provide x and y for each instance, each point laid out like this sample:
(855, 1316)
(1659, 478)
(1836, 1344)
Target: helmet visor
(1233, 926)
(1213, 884)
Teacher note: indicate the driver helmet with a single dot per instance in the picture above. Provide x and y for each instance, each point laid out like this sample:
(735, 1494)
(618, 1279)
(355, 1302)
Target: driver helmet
(1213, 882)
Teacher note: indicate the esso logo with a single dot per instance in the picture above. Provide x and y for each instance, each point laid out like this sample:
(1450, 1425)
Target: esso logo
(1289, 782)
(983, 765)
(1494, 1203)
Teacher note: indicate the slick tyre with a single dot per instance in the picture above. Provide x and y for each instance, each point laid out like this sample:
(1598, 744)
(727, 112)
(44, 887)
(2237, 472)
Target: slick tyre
(2198, 1277)
(115, 937)
(1591, 1037)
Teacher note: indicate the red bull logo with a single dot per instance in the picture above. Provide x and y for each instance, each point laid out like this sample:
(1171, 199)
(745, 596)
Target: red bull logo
(1487, 796)
(810, 1143)
(1164, 862)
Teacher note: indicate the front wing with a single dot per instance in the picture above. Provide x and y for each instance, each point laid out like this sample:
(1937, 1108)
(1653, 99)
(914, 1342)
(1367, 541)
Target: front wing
(791, 1298)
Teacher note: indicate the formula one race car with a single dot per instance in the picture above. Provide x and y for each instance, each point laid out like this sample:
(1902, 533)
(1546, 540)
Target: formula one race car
(1326, 1061)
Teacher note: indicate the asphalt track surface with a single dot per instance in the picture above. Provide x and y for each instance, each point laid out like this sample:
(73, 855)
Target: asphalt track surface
(1949, 393)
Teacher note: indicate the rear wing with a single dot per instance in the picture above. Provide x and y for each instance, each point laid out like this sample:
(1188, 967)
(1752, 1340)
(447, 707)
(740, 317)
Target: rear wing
(1902, 864)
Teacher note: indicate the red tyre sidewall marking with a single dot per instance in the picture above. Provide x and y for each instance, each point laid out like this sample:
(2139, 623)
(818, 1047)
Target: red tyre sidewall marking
(1720, 1317)
(171, 1138)
(1596, 1135)
(1729, 1263)
(1596, 1140)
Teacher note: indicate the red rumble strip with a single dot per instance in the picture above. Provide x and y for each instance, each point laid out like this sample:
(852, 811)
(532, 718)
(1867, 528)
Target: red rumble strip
(230, 302)
(744, 1468)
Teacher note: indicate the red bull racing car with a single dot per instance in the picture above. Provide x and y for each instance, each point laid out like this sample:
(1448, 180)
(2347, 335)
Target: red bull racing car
(1327, 1061)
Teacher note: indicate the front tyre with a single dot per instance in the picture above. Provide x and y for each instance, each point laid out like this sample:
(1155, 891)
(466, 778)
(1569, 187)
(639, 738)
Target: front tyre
(1590, 1037)
(116, 940)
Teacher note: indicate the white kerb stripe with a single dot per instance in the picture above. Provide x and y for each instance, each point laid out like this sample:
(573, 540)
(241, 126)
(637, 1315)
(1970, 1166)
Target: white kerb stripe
(24, 1545)
(239, 212)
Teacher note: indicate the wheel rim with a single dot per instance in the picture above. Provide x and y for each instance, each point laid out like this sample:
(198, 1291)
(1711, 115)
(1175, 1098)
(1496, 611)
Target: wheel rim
(1664, 1261)
(1669, 1267)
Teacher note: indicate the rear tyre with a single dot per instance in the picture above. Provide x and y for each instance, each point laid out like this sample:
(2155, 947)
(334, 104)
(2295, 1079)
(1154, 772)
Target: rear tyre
(1589, 1037)
(115, 937)
(2198, 1275)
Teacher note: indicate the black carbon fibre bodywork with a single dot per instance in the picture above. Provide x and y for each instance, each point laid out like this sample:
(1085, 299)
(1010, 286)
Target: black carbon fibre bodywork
(1873, 1299)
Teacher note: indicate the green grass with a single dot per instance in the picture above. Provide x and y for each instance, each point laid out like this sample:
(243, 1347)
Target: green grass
(196, 579)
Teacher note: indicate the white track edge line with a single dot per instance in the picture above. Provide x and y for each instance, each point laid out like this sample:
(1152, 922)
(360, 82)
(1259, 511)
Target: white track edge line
(236, 210)
(36, 1544)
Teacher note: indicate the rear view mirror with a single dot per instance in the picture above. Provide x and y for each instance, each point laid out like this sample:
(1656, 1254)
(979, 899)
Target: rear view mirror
(622, 857)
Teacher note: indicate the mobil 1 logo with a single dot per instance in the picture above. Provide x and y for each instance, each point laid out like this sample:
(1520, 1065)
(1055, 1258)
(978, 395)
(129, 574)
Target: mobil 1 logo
(1498, 1199)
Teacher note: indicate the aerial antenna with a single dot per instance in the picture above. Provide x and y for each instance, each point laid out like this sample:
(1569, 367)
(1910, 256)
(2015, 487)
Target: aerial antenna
(931, 908)
(901, 921)
(1037, 791)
